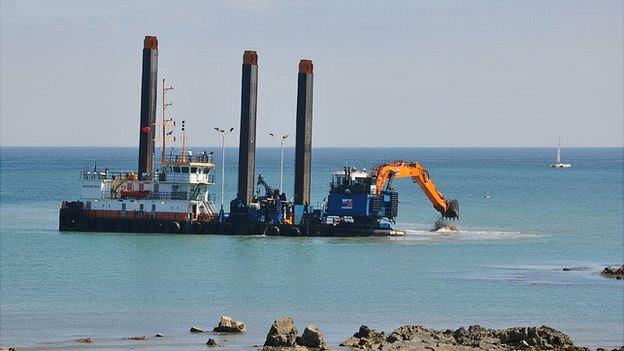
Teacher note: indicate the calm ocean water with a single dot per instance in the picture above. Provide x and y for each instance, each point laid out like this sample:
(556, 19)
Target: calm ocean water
(502, 269)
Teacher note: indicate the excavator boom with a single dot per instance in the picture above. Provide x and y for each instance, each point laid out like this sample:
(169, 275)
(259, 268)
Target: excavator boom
(384, 173)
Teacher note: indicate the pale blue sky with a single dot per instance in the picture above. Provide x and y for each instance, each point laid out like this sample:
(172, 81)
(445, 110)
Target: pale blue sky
(436, 73)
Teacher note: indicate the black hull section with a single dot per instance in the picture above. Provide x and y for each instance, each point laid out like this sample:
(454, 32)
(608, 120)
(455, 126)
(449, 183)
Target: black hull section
(77, 220)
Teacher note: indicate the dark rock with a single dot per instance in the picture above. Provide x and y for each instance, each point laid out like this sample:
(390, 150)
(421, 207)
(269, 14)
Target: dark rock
(196, 330)
(211, 342)
(473, 335)
(614, 272)
(412, 333)
(366, 332)
(351, 342)
(312, 337)
(142, 337)
(86, 340)
(282, 333)
(229, 325)
(473, 338)
(366, 338)
(159, 335)
(542, 337)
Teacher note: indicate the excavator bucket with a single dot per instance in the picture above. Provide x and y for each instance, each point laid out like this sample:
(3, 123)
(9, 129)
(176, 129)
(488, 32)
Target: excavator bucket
(452, 210)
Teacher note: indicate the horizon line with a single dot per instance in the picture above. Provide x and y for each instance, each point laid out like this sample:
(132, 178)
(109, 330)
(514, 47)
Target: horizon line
(332, 147)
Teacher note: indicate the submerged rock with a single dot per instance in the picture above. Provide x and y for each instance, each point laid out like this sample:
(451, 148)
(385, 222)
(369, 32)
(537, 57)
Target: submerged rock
(312, 337)
(211, 342)
(159, 335)
(614, 272)
(229, 325)
(142, 337)
(196, 330)
(86, 340)
(283, 332)
(572, 269)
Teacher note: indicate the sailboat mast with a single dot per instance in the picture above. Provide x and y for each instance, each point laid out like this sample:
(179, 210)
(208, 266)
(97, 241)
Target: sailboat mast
(559, 151)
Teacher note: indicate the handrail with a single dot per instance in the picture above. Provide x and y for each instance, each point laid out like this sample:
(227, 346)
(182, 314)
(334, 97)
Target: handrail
(106, 174)
(161, 195)
(109, 175)
(199, 158)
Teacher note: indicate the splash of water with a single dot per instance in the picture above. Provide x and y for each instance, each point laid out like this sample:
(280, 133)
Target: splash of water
(444, 226)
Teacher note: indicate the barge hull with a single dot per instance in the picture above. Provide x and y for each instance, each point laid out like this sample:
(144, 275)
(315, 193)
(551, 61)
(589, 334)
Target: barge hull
(79, 220)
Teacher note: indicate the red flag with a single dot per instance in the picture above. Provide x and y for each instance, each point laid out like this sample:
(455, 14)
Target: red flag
(145, 130)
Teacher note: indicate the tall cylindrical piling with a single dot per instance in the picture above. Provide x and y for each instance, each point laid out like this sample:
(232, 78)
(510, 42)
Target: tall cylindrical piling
(247, 145)
(303, 148)
(147, 130)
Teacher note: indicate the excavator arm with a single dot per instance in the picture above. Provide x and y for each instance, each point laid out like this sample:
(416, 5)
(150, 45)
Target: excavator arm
(267, 189)
(384, 173)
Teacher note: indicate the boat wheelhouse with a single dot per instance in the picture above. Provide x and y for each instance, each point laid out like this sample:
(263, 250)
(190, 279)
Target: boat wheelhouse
(179, 191)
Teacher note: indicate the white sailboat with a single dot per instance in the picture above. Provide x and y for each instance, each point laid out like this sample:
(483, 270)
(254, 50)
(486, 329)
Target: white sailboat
(558, 163)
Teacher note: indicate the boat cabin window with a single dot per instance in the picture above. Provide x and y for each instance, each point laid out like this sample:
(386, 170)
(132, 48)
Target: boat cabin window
(176, 169)
(185, 169)
(339, 179)
(206, 170)
(193, 169)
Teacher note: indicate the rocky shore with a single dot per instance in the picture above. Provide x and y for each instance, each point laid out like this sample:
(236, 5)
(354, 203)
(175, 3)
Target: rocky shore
(283, 335)
(416, 337)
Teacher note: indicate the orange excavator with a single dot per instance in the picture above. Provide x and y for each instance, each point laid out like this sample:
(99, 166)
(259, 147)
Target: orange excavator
(361, 200)
(383, 175)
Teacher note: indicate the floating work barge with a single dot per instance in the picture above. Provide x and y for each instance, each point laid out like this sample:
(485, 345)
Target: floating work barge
(175, 197)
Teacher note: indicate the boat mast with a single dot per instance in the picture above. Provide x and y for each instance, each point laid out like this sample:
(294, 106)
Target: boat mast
(165, 89)
(559, 151)
(183, 142)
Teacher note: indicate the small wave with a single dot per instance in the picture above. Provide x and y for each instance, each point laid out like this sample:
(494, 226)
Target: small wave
(446, 230)
(463, 234)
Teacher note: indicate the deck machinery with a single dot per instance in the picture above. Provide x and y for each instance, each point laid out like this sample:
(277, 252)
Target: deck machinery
(175, 197)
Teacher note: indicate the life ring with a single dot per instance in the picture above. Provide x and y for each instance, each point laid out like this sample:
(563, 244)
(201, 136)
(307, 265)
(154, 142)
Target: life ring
(272, 230)
(174, 227)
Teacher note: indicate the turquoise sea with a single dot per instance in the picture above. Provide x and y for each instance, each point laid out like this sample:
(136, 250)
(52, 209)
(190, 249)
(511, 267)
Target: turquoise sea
(521, 223)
